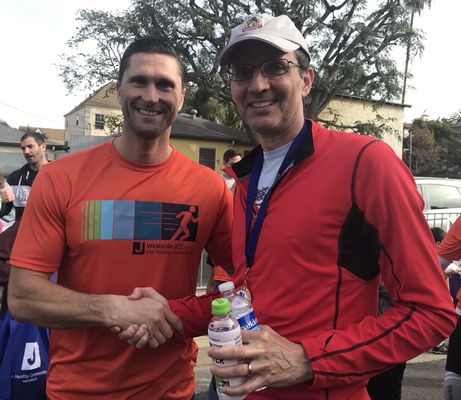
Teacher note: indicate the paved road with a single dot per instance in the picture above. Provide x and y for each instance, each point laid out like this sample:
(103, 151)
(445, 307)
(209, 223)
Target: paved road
(422, 380)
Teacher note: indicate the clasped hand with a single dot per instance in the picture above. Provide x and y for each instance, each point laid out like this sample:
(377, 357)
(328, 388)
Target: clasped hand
(149, 319)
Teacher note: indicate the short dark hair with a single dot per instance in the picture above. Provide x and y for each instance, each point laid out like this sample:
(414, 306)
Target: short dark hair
(148, 45)
(231, 153)
(37, 136)
(438, 234)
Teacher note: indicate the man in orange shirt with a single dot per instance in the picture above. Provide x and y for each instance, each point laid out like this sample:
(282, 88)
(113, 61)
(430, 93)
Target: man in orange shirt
(107, 236)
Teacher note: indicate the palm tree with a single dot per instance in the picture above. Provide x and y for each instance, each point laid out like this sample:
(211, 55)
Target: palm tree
(415, 6)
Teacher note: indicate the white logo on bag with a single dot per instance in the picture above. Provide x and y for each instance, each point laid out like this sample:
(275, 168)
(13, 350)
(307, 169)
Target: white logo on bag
(31, 359)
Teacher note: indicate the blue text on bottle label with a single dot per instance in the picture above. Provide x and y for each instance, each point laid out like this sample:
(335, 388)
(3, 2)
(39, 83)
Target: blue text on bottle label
(248, 321)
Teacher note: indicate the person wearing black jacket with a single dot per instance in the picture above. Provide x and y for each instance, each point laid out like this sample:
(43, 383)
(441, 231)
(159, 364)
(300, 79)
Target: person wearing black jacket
(33, 147)
(20, 181)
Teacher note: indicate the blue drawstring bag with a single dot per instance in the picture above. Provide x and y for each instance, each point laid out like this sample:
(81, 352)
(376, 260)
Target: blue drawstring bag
(23, 359)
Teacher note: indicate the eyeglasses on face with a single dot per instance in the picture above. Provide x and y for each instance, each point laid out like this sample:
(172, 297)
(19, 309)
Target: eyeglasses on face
(244, 72)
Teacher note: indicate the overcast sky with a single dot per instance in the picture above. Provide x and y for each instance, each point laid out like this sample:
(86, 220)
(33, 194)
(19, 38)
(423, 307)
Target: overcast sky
(33, 34)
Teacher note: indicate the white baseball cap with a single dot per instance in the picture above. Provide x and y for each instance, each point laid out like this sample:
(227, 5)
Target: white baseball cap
(279, 32)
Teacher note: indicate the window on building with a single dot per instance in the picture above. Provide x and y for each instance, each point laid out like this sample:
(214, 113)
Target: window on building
(207, 157)
(76, 120)
(99, 121)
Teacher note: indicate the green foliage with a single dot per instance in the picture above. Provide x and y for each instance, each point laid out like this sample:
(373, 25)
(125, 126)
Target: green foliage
(103, 37)
(114, 123)
(435, 149)
(425, 151)
(378, 127)
(456, 117)
(350, 41)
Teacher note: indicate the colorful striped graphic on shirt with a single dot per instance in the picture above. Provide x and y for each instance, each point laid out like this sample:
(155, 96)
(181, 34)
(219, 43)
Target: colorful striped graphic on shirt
(138, 220)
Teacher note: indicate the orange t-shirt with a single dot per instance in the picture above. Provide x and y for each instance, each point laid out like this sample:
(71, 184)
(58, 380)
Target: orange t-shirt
(219, 274)
(109, 225)
(450, 248)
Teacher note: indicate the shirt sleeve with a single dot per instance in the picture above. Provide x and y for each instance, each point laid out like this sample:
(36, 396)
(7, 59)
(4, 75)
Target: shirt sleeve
(422, 314)
(195, 313)
(219, 243)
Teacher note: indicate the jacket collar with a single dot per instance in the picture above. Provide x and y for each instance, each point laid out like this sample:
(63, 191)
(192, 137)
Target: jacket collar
(244, 166)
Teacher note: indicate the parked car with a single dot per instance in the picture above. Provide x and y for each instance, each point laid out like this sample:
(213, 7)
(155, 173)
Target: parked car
(442, 200)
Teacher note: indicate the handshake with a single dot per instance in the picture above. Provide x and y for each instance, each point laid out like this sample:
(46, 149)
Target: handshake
(144, 318)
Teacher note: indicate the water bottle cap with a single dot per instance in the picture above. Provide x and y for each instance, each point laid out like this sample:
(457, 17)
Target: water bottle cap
(226, 286)
(220, 306)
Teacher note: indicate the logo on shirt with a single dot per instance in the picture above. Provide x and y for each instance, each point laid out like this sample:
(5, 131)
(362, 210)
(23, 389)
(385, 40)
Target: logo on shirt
(260, 194)
(139, 248)
(21, 194)
(139, 221)
(31, 359)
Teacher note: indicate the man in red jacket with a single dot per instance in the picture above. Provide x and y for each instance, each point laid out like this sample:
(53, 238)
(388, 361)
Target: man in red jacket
(320, 217)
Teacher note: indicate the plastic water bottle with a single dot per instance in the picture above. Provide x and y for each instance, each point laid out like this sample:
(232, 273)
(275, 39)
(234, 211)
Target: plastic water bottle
(242, 309)
(224, 330)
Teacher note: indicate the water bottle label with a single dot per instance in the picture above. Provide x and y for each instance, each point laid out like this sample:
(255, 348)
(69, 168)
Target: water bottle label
(231, 337)
(221, 339)
(248, 321)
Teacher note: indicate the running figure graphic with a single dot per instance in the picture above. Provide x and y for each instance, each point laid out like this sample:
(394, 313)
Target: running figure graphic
(187, 216)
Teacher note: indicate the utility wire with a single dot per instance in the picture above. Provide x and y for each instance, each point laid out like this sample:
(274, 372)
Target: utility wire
(28, 113)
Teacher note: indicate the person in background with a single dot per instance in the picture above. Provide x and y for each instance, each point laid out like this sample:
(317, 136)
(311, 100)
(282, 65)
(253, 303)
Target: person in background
(438, 234)
(230, 157)
(126, 213)
(20, 181)
(452, 271)
(320, 218)
(218, 274)
(14, 192)
(449, 250)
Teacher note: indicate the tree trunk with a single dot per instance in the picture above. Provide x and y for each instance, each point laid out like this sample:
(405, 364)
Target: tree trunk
(407, 58)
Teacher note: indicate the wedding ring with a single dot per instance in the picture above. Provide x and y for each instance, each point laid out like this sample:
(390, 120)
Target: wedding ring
(249, 369)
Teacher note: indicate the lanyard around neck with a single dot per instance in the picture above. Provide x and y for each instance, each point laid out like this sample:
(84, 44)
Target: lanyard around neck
(252, 233)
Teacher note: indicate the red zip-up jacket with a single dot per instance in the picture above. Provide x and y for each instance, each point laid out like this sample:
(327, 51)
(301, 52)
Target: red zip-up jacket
(344, 216)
